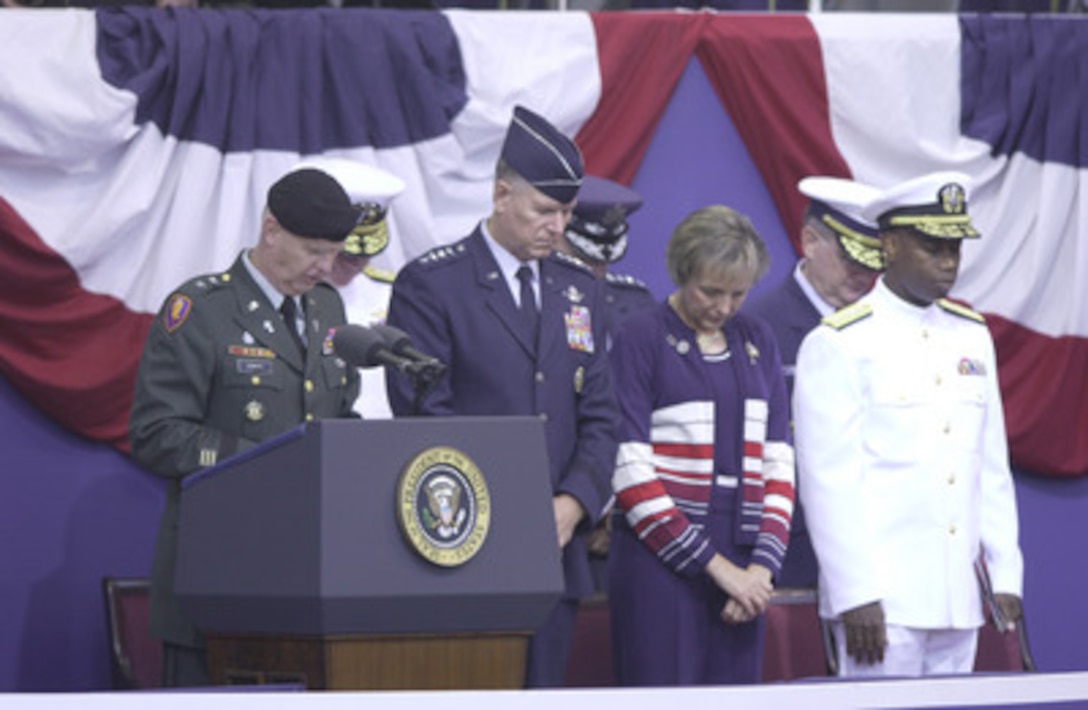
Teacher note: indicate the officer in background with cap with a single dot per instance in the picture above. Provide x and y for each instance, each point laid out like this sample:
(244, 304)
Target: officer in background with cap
(900, 438)
(597, 236)
(366, 299)
(237, 357)
(521, 331)
(840, 259)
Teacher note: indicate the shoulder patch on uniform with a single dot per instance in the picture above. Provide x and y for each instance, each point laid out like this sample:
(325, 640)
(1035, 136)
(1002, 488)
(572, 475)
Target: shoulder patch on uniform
(569, 260)
(848, 315)
(375, 273)
(960, 310)
(177, 309)
(625, 280)
(443, 254)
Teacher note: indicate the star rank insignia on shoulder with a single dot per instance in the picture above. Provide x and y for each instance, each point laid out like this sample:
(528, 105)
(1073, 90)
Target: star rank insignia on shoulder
(960, 310)
(572, 261)
(625, 280)
(442, 254)
(848, 315)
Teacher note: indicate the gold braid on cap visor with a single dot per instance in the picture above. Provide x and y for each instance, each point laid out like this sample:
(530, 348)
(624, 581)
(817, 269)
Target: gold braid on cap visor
(368, 239)
(860, 247)
(940, 226)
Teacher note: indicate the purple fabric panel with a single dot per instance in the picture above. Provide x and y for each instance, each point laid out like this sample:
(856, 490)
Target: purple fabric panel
(697, 138)
(71, 512)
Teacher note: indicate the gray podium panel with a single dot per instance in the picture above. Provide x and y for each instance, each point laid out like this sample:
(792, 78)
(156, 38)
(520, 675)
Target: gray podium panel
(301, 536)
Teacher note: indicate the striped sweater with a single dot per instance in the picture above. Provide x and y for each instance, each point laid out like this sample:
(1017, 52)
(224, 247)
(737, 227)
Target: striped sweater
(698, 433)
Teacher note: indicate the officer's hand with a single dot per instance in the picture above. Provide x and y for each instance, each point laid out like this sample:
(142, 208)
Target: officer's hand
(600, 537)
(568, 513)
(866, 635)
(1011, 611)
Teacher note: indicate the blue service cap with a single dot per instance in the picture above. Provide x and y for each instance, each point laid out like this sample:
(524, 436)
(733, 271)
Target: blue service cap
(547, 159)
(838, 203)
(598, 226)
(310, 203)
(934, 205)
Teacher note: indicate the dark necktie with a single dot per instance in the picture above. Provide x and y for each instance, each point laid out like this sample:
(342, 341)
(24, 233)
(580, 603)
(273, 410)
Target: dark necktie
(528, 301)
(290, 318)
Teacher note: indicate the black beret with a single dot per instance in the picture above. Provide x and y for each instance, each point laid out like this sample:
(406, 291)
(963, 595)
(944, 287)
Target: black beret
(540, 153)
(310, 203)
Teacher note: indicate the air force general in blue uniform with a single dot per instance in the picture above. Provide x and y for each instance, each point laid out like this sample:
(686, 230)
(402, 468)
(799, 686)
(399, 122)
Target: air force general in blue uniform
(508, 354)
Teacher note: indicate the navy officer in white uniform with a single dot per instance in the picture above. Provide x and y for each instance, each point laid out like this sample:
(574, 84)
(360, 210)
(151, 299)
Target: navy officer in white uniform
(521, 332)
(900, 439)
(365, 287)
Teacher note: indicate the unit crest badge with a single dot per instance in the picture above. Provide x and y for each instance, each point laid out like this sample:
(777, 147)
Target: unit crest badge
(443, 506)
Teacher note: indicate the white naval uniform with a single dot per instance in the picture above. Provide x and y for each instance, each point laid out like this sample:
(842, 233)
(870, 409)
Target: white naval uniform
(366, 300)
(900, 440)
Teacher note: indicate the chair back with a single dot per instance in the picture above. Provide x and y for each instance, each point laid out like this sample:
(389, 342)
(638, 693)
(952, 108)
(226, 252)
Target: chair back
(135, 655)
(796, 642)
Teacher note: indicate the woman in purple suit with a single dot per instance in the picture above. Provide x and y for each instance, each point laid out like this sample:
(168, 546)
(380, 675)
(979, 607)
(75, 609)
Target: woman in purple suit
(704, 475)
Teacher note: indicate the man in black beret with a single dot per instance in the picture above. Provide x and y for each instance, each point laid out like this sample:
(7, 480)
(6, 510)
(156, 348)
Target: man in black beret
(521, 330)
(237, 357)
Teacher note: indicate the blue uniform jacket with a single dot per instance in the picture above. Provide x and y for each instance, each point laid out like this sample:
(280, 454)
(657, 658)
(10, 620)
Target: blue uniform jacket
(455, 305)
(791, 316)
(624, 296)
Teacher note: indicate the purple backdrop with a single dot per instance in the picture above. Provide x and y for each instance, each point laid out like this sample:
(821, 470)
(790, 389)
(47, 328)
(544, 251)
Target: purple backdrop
(72, 512)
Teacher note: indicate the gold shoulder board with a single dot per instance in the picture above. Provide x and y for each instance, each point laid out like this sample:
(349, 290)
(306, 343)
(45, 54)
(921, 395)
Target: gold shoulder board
(385, 276)
(848, 315)
(960, 310)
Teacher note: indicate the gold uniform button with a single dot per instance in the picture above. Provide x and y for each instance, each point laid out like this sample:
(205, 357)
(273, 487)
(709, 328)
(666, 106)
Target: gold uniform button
(309, 417)
(951, 529)
(255, 380)
(309, 385)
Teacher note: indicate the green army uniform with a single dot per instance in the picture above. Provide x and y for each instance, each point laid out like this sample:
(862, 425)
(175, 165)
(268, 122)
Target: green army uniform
(219, 373)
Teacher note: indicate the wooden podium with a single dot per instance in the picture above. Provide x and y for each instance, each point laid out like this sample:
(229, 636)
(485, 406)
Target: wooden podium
(295, 557)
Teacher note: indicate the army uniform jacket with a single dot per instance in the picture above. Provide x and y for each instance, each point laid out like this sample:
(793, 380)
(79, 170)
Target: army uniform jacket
(456, 306)
(901, 449)
(218, 374)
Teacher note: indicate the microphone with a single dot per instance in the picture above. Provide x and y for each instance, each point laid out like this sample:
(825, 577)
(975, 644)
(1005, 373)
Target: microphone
(399, 342)
(362, 347)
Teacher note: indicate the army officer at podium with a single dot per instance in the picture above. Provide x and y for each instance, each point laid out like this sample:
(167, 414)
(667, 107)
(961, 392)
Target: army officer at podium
(235, 358)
